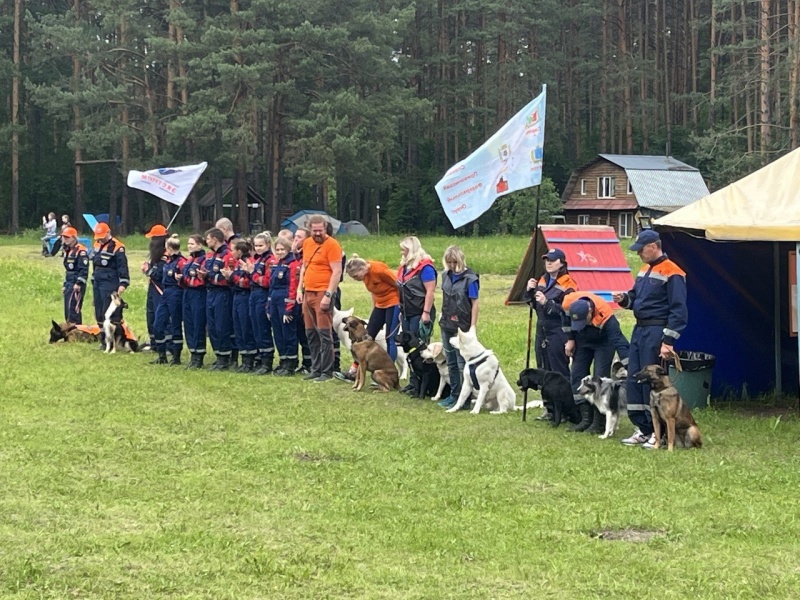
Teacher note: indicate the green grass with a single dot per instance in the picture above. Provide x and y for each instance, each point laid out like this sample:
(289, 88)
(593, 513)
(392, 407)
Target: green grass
(126, 480)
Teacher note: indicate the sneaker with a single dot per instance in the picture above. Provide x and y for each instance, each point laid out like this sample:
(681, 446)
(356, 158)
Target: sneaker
(344, 376)
(310, 375)
(323, 377)
(637, 439)
(650, 444)
(448, 402)
(303, 370)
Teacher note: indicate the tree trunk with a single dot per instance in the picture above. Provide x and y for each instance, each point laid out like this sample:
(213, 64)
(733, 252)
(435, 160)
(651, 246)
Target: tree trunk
(712, 92)
(766, 132)
(240, 193)
(604, 109)
(15, 85)
(794, 71)
(626, 87)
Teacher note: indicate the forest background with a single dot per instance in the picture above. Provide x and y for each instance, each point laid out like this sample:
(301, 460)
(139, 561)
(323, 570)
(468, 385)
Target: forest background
(347, 106)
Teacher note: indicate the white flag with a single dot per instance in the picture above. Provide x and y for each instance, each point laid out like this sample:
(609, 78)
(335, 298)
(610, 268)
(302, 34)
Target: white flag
(170, 184)
(508, 161)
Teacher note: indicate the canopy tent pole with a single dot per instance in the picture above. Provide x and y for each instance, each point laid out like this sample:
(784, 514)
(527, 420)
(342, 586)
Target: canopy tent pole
(797, 307)
(776, 274)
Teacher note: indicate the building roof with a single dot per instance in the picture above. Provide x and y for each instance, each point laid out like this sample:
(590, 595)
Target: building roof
(660, 183)
(209, 198)
(647, 162)
(594, 256)
(602, 204)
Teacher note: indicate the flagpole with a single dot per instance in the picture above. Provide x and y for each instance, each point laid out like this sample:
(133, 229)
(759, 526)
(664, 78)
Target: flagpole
(175, 215)
(530, 311)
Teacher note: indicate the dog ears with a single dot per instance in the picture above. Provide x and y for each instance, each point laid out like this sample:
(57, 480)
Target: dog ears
(348, 313)
(56, 326)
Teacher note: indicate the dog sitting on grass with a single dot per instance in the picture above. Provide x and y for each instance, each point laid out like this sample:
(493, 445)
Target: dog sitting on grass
(556, 394)
(116, 332)
(370, 358)
(668, 408)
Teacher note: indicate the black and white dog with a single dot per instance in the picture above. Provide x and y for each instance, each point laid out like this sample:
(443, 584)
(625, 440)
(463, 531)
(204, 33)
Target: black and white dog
(117, 334)
(423, 363)
(556, 393)
(608, 395)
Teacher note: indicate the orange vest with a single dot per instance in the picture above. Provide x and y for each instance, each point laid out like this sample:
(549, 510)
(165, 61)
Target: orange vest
(602, 310)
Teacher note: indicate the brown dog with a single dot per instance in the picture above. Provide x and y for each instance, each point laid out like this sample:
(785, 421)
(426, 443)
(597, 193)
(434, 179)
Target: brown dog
(70, 332)
(370, 357)
(667, 406)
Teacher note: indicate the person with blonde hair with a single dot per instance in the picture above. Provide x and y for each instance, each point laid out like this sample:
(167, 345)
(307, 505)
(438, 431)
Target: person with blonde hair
(168, 323)
(259, 270)
(460, 287)
(416, 279)
(382, 284)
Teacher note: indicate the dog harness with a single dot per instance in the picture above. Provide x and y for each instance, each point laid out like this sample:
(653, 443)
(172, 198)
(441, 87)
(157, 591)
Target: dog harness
(473, 367)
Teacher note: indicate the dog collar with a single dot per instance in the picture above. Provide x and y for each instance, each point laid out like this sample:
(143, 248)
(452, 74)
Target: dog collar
(476, 356)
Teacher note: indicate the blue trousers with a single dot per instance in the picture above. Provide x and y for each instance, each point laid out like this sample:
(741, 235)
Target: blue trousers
(645, 346)
(167, 325)
(549, 347)
(153, 300)
(385, 318)
(194, 319)
(242, 325)
(598, 346)
(73, 303)
(455, 362)
(285, 333)
(219, 309)
(262, 328)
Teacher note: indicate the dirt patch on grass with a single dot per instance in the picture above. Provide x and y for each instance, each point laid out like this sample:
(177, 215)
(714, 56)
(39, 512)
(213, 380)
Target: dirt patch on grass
(786, 410)
(628, 534)
(310, 457)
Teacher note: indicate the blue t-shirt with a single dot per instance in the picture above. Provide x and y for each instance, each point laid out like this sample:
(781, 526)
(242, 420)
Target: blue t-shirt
(428, 273)
(472, 290)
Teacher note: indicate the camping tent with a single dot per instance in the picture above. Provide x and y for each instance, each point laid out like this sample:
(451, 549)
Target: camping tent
(737, 247)
(299, 219)
(354, 228)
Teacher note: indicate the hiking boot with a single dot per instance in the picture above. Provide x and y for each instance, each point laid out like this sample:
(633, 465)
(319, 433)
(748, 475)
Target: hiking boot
(598, 425)
(586, 417)
(176, 359)
(223, 363)
(196, 362)
(247, 364)
(545, 416)
(161, 359)
(264, 364)
(637, 439)
(288, 368)
(311, 375)
(322, 378)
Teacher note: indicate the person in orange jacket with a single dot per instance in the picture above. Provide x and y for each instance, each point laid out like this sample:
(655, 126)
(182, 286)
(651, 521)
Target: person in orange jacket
(593, 336)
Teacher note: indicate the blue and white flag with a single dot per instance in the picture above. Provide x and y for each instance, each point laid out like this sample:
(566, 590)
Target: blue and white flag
(170, 184)
(510, 160)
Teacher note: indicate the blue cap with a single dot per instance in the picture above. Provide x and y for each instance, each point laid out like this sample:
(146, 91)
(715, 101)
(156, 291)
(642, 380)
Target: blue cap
(647, 236)
(579, 314)
(555, 254)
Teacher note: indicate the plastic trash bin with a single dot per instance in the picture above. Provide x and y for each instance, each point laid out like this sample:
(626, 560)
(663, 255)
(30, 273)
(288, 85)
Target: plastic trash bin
(694, 381)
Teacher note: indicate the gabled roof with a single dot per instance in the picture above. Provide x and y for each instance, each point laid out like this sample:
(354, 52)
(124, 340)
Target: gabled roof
(227, 187)
(594, 256)
(659, 182)
(764, 205)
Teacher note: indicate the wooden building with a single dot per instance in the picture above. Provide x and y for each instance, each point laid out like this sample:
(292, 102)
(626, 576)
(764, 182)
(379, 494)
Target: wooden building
(627, 191)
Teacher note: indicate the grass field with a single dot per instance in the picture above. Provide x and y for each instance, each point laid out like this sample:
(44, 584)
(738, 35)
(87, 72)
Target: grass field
(126, 480)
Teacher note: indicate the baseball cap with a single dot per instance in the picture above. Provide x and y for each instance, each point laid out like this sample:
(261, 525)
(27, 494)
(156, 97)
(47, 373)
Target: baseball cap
(156, 230)
(579, 314)
(101, 229)
(70, 232)
(647, 236)
(555, 254)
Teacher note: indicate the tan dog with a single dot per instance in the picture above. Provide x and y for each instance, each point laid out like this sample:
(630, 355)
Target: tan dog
(667, 406)
(370, 357)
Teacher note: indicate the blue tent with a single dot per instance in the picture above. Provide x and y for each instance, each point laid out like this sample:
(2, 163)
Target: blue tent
(299, 218)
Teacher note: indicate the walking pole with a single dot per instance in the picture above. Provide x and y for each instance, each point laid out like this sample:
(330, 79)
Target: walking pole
(530, 311)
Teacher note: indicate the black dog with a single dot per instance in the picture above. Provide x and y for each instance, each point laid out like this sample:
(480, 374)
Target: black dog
(556, 394)
(427, 373)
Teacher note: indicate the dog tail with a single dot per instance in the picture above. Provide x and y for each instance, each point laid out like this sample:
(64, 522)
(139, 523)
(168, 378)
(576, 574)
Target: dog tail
(531, 404)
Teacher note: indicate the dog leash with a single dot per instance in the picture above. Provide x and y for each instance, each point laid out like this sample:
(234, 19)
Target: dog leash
(675, 359)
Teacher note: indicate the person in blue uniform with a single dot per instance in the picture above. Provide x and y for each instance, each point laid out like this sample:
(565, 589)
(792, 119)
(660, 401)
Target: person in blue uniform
(153, 269)
(283, 311)
(76, 267)
(259, 297)
(658, 301)
(169, 312)
(218, 297)
(239, 276)
(109, 271)
(194, 301)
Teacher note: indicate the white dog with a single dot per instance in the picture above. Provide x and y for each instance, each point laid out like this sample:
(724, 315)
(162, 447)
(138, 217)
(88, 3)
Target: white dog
(338, 326)
(483, 372)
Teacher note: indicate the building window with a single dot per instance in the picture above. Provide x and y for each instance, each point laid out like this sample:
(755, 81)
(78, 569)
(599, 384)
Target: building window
(606, 187)
(583, 219)
(625, 225)
(583, 187)
(630, 188)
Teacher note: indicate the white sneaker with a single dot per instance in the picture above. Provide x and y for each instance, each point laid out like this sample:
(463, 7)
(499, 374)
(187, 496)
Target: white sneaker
(637, 439)
(651, 443)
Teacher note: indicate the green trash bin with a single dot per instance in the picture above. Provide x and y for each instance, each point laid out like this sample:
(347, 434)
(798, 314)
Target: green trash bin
(694, 381)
